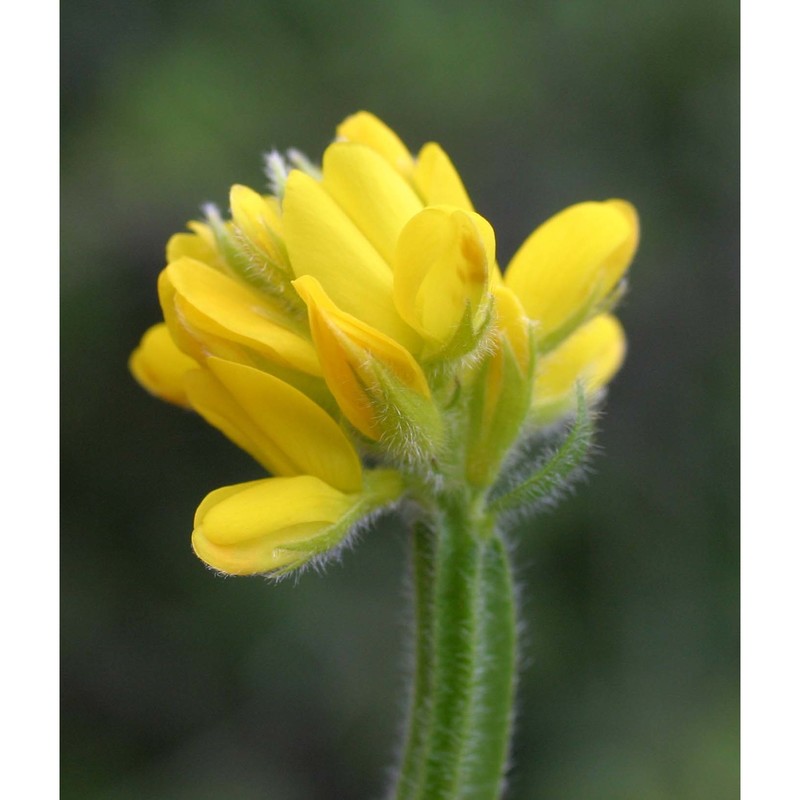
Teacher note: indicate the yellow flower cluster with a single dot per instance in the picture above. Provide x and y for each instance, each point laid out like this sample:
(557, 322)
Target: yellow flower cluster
(359, 310)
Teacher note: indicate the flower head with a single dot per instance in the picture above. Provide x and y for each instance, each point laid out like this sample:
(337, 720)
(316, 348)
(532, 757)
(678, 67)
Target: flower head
(357, 315)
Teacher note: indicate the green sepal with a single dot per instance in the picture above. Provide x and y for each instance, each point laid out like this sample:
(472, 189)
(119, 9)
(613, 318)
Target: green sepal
(515, 494)
(412, 430)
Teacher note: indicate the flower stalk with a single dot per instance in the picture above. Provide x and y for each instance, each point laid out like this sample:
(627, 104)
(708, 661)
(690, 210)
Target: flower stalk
(461, 705)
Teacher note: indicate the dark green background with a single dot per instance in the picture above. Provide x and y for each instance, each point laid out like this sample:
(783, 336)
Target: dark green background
(183, 686)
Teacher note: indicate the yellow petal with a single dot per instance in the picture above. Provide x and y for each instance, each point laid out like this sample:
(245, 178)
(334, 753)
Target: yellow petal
(277, 424)
(324, 243)
(367, 129)
(345, 344)
(514, 325)
(592, 355)
(242, 529)
(372, 194)
(258, 218)
(572, 261)
(199, 245)
(437, 180)
(217, 310)
(442, 266)
(159, 366)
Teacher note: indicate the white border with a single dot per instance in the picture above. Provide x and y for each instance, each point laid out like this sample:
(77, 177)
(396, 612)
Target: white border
(770, 395)
(29, 331)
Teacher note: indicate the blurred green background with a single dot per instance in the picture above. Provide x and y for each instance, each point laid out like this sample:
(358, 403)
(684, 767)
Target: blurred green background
(180, 685)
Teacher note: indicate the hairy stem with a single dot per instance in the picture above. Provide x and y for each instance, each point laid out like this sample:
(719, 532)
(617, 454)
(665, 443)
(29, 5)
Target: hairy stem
(461, 707)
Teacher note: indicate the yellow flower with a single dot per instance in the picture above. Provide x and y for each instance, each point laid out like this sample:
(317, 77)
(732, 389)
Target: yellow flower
(251, 527)
(247, 528)
(278, 524)
(281, 522)
(353, 332)
(569, 265)
(360, 311)
(443, 259)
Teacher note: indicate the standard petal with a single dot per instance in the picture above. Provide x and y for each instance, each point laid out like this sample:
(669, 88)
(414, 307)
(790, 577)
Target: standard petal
(242, 529)
(437, 180)
(325, 243)
(159, 366)
(572, 261)
(592, 355)
(215, 309)
(277, 424)
(367, 129)
(373, 195)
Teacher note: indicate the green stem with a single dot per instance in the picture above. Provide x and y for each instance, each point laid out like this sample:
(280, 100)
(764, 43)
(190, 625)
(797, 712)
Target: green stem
(461, 708)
